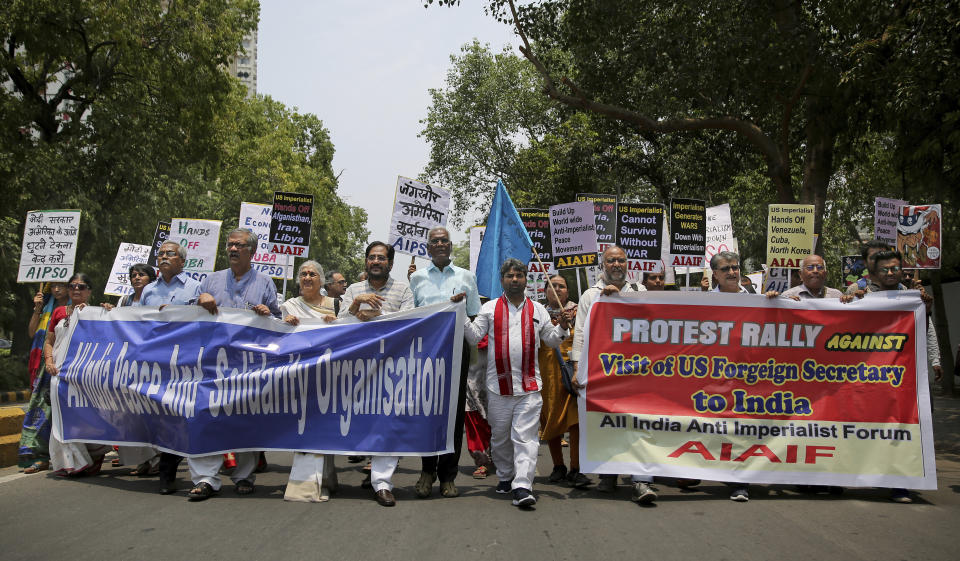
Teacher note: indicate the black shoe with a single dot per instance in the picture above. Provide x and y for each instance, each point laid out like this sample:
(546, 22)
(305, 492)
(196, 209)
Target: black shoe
(366, 483)
(578, 480)
(558, 474)
(168, 486)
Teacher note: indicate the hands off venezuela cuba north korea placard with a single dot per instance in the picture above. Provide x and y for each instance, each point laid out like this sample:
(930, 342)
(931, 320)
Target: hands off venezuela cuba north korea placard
(731, 387)
(193, 383)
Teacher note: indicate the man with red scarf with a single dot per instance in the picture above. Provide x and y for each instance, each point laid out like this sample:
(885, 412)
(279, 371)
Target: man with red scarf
(515, 326)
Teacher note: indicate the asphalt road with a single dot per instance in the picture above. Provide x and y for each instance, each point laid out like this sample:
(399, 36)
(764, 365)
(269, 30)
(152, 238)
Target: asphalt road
(115, 516)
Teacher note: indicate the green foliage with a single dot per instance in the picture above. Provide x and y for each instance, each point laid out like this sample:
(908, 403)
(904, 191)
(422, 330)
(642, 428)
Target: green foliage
(826, 103)
(126, 111)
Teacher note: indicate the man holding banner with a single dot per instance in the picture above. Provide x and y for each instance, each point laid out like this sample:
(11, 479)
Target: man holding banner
(515, 326)
(378, 294)
(439, 282)
(173, 286)
(242, 287)
(613, 280)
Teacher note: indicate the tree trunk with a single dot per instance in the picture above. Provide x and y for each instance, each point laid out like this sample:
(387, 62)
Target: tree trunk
(817, 171)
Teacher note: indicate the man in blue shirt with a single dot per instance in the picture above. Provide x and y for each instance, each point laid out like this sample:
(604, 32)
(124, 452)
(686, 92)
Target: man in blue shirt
(439, 282)
(173, 286)
(242, 287)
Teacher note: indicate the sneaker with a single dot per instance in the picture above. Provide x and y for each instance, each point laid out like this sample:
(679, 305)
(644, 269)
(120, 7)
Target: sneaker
(643, 494)
(578, 480)
(607, 484)
(504, 486)
(740, 495)
(900, 496)
(448, 489)
(523, 497)
(558, 474)
(424, 485)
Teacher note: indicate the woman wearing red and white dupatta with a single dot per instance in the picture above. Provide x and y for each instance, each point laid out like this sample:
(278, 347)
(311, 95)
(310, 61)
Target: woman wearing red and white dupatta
(516, 326)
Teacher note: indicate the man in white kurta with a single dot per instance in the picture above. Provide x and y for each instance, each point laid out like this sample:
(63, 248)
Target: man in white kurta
(515, 326)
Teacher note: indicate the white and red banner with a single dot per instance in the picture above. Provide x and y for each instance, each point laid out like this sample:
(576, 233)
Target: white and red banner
(737, 387)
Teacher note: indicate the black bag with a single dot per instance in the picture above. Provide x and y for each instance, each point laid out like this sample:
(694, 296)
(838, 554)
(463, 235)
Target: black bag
(566, 373)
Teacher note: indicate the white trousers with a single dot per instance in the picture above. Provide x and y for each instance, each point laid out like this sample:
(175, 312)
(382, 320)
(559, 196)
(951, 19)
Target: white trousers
(312, 478)
(381, 471)
(206, 469)
(514, 420)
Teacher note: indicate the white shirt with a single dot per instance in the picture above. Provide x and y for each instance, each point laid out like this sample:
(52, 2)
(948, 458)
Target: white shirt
(583, 308)
(544, 331)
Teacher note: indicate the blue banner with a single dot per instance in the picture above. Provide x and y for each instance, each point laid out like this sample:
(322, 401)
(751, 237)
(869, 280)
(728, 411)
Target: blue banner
(189, 382)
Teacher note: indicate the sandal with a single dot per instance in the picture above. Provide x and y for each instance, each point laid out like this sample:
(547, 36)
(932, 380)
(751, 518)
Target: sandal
(37, 467)
(94, 468)
(481, 472)
(145, 470)
(201, 492)
(243, 487)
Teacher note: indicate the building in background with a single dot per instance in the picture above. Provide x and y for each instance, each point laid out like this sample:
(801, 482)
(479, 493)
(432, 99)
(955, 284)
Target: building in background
(244, 65)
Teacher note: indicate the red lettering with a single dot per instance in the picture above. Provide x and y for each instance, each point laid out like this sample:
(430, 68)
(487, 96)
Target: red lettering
(758, 450)
(692, 447)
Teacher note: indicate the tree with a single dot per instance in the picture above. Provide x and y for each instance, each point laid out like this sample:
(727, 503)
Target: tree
(147, 125)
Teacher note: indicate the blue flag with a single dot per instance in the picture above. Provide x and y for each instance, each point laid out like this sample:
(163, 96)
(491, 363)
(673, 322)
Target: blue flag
(505, 237)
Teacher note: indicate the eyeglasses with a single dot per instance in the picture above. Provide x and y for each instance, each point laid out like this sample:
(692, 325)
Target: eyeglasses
(729, 268)
(613, 260)
(438, 241)
(894, 269)
(815, 267)
(78, 286)
(237, 245)
(171, 253)
(377, 258)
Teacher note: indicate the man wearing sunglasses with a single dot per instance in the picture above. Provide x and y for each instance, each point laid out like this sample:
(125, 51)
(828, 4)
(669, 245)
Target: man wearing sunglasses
(726, 272)
(335, 287)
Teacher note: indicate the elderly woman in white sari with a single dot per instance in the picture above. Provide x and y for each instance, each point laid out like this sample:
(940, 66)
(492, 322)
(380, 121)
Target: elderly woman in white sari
(313, 476)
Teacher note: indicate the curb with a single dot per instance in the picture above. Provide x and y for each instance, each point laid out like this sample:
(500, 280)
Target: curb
(15, 397)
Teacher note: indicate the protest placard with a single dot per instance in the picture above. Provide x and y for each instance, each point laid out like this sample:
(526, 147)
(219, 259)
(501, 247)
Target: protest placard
(853, 269)
(719, 231)
(193, 383)
(640, 230)
(776, 278)
(885, 213)
(688, 232)
(128, 254)
(574, 235)
(201, 239)
(257, 217)
(729, 387)
(789, 235)
(49, 245)
(417, 207)
(537, 223)
(918, 236)
(290, 223)
(476, 240)
(160, 235)
(604, 218)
